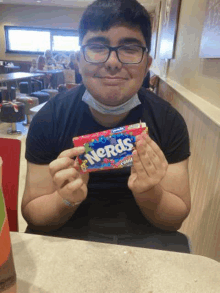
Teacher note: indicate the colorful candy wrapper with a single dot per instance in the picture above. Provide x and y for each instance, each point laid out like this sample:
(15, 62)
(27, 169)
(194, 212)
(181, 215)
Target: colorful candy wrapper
(110, 149)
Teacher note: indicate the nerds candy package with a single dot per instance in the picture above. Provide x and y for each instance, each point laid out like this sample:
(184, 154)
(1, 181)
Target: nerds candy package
(108, 149)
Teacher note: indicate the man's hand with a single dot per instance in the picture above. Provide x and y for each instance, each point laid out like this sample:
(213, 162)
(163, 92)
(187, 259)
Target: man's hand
(70, 184)
(149, 165)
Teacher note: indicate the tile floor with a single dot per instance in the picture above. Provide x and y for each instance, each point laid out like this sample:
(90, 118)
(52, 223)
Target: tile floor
(23, 165)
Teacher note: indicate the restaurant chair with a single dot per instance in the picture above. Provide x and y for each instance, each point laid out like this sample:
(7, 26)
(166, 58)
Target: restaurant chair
(51, 92)
(66, 87)
(71, 85)
(36, 85)
(62, 88)
(5, 93)
(154, 84)
(42, 96)
(13, 93)
(29, 103)
(10, 152)
(23, 87)
(69, 76)
(12, 112)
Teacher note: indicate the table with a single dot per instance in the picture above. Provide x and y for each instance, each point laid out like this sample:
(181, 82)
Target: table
(50, 264)
(57, 77)
(11, 68)
(8, 78)
(51, 71)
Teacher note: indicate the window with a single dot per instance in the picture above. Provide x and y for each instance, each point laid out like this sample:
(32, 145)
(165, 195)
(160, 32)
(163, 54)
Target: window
(65, 43)
(37, 41)
(28, 40)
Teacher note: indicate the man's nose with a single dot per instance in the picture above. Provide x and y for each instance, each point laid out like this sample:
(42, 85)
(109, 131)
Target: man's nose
(113, 61)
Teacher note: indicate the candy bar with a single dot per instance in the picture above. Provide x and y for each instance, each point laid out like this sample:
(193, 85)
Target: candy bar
(110, 149)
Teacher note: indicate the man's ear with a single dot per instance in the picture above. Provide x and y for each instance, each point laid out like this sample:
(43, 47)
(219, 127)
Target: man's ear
(149, 62)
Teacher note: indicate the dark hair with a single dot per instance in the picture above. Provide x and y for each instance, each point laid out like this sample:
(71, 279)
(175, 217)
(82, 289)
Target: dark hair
(101, 15)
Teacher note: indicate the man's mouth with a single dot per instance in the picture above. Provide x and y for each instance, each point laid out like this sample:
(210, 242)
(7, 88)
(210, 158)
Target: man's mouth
(112, 80)
(112, 77)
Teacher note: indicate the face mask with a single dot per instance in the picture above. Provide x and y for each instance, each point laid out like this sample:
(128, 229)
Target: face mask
(112, 110)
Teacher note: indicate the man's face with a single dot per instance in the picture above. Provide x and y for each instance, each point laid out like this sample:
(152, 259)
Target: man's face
(113, 83)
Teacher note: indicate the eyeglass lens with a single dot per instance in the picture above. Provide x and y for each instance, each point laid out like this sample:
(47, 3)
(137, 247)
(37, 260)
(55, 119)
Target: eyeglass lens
(126, 54)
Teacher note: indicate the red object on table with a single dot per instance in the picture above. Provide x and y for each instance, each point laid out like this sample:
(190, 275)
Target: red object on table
(10, 152)
(7, 268)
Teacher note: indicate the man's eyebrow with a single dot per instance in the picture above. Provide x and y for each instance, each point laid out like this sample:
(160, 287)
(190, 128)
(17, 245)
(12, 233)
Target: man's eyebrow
(130, 41)
(98, 40)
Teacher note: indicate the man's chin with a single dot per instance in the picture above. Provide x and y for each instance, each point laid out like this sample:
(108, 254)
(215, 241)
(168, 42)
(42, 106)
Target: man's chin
(111, 101)
(109, 96)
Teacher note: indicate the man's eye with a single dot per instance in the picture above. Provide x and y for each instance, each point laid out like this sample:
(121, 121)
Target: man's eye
(130, 49)
(97, 48)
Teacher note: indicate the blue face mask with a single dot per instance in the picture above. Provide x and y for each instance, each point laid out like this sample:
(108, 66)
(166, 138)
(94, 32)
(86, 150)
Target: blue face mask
(112, 110)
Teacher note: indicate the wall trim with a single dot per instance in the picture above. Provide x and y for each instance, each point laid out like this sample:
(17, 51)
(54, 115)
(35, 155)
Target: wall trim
(208, 109)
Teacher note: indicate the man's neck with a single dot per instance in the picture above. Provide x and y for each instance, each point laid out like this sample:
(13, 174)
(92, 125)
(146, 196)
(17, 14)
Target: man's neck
(106, 119)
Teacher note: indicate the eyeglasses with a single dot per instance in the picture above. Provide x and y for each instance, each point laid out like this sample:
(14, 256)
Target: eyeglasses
(126, 54)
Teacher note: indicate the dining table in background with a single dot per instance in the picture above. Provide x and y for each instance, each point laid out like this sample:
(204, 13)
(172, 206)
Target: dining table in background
(56, 79)
(13, 68)
(50, 264)
(9, 78)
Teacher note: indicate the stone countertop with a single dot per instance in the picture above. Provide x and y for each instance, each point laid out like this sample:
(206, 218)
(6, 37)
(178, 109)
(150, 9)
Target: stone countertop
(49, 264)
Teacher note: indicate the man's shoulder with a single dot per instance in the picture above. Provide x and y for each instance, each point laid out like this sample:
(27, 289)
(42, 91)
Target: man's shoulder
(71, 95)
(157, 108)
(149, 97)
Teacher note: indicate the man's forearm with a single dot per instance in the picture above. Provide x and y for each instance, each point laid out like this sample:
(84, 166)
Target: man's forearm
(47, 212)
(163, 209)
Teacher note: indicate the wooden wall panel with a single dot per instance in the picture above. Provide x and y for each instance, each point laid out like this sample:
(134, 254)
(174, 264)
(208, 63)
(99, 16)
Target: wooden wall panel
(203, 224)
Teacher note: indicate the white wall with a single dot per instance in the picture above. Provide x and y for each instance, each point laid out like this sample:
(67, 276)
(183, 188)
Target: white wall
(38, 16)
(200, 76)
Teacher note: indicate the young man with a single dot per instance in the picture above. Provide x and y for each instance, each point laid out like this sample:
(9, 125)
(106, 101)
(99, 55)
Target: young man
(141, 206)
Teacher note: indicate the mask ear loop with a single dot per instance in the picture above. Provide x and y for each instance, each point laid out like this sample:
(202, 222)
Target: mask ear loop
(146, 71)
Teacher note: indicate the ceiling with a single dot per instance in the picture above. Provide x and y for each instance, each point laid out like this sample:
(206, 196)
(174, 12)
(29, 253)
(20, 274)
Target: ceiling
(149, 4)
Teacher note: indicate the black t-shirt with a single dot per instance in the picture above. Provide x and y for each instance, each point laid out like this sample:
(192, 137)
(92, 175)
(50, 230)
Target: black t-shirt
(110, 207)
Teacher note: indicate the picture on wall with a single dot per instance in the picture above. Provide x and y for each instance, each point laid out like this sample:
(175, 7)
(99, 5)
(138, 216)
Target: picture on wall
(155, 19)
(170, 20)
(210, 43)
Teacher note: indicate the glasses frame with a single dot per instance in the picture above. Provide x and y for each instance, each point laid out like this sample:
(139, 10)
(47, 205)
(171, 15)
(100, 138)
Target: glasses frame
(113, 49)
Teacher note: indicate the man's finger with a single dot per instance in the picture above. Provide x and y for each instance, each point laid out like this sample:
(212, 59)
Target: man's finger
(65, 175)
(137, 165)
(70, 188)
(154, 147)
(60, 164)
(148, 157)
(65, 160)
(74, 152)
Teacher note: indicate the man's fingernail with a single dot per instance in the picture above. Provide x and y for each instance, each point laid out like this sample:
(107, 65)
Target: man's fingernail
(81, 149)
